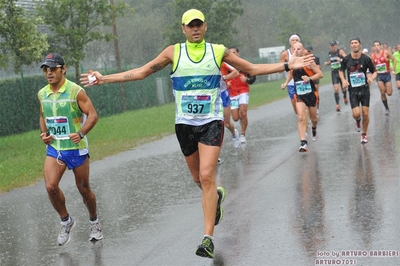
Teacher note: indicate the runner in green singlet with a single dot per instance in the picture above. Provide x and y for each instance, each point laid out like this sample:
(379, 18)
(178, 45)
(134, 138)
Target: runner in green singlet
(66, 116)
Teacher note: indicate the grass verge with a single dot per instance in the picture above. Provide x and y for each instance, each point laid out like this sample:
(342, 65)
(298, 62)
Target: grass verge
(22, 155)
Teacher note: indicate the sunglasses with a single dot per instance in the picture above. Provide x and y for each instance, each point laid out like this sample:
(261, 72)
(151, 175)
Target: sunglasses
(51, 69)
(195, 24)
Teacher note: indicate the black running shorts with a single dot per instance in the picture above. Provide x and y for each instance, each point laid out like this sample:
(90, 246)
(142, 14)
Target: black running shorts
(211, 134)
(335, 77)
(359, 95)
(309, 99)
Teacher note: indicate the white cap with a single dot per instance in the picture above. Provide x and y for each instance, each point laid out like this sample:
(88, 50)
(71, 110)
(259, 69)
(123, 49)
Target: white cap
(365, 50)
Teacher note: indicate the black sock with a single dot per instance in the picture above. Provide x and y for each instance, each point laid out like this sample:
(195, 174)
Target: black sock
(92, 219)
(314, 131)
(345, 94)
(65, 219)
(337, 97)
(385, 104)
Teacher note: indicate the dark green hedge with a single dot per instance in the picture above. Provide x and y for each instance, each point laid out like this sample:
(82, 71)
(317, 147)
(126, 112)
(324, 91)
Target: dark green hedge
(20, 107)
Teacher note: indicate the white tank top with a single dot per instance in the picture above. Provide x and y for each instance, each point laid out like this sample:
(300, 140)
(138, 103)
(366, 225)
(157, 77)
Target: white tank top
(291, 82)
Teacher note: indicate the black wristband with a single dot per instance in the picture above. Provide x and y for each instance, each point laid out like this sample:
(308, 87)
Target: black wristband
(286, 65)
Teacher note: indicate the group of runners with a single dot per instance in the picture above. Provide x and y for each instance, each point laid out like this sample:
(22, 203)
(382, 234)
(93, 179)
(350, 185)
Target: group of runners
(67, 115)
(202, 74)
(352, 73)
(198, 73)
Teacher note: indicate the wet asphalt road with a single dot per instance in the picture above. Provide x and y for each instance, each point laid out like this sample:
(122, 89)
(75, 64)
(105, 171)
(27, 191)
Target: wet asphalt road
(337, 203)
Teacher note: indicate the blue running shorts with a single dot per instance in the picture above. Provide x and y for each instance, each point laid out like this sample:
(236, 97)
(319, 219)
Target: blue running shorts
(72, 158)
(291, 89)
(226, 100)
(384, 77)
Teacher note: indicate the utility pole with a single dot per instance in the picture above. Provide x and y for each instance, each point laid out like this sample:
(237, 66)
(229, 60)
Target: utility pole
(249, 36)
(115, 34)
(122, 91)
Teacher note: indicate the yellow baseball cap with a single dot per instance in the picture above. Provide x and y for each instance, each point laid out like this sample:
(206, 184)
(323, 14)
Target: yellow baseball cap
(192, 14)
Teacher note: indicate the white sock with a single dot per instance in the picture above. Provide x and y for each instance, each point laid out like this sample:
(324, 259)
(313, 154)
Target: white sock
(95, 221)
(66, 222)
(212, 238)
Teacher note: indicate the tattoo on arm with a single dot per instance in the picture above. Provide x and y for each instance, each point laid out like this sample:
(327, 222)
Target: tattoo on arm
(128, 76)
(156, 68)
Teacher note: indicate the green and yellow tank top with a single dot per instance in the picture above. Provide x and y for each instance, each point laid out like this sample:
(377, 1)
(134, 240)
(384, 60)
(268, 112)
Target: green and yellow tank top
(62, 115)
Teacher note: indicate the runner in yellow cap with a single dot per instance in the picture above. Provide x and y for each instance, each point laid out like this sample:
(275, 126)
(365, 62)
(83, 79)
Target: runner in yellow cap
(199, 123)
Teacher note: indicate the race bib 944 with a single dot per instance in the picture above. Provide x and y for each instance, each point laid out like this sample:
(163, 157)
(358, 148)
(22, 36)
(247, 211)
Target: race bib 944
(58, 127)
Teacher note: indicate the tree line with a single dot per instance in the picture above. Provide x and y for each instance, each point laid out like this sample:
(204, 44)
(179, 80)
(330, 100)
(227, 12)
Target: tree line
(93, 32)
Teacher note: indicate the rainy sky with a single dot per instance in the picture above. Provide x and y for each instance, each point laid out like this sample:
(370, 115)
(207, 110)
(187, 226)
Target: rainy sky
(266, 23)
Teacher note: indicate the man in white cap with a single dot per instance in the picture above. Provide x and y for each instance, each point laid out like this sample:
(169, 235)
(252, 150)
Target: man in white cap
(199, 123)
(285, 57)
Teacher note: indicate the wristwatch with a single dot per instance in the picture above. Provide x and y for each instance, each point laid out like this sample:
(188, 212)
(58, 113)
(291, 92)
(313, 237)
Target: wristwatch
(81, 134)
(310, 78)
(224, 77)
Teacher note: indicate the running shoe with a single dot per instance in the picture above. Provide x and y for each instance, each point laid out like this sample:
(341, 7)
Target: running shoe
(314, 136)
(346, 101)
(242, 138)
(358, 126)
(219, 160)
(63, 236)
(364, 138)
(303, 147)
(220, 211)
(206, 248)
(337, 108)
(387, 112)
(236, 139)
(95, 231)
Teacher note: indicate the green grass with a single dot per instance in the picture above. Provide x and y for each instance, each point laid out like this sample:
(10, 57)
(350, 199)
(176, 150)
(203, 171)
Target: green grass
(22, 156)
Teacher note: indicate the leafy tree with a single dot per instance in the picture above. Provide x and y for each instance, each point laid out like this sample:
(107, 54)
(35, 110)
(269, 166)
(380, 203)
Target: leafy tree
(75, 23)
(263, 23)
(220, 16)
(20, 41)
(290, 25)
(142, 39)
